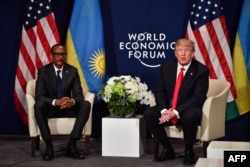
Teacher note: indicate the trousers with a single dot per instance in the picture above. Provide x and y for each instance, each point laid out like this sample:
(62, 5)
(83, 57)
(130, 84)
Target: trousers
(189, 120)
(80, 111)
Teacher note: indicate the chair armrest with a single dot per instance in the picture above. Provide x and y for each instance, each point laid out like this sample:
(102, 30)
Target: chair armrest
(33, 129)
(88, 96)
(213, 117)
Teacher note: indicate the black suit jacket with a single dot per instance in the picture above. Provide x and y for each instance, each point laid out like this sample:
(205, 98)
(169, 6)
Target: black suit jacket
(46, 89)
(192, 92)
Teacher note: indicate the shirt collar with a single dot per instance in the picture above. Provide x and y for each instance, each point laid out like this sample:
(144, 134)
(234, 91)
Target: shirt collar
(56, 69)
(186, 66)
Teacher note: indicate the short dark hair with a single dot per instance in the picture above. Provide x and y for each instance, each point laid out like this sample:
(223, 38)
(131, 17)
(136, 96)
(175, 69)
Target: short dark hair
(54, 46)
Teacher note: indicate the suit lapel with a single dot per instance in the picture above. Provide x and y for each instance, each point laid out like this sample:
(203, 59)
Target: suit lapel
(65, 77)
(52, 77)
(172, 76)
(188, 78)
(189, 74)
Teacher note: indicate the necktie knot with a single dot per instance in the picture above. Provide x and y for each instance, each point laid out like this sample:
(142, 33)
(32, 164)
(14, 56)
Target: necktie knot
(58, 72)
(182, 69)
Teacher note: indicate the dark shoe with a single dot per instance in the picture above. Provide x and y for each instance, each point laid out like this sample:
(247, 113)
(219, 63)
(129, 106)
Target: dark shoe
(72, 152)
(189, 158)
(49, 154)
(166, 155)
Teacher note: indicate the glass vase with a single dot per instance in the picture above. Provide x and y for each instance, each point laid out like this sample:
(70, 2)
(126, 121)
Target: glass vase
(121, 109)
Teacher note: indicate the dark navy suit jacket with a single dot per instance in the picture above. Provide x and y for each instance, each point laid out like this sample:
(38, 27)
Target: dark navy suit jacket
(192, 92)
(46, 89)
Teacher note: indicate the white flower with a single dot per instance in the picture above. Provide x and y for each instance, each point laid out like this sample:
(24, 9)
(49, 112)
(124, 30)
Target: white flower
(131, 87)
(111, 80)
(125, 88)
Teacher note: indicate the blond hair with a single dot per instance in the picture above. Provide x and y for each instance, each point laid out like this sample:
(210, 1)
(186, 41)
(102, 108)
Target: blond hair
(185, 41)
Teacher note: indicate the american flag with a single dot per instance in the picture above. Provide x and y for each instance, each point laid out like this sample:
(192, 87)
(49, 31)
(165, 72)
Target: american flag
(39, 33)
(207, 28)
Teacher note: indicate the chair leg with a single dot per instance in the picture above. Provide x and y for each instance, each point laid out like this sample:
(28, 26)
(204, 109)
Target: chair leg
(87, 144)
(205, 145)
(156, 150)
(34, 145)
(37, 144)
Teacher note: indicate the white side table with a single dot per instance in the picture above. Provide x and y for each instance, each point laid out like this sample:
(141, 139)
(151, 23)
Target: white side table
(216, 148)
(122, 136)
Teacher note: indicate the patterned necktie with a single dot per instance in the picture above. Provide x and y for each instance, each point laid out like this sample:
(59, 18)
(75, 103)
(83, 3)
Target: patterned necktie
(59, 84)
(176, 92)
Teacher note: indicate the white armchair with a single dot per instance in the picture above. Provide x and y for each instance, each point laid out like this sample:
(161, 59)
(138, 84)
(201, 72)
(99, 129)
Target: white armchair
(58, 126)
(213, 116)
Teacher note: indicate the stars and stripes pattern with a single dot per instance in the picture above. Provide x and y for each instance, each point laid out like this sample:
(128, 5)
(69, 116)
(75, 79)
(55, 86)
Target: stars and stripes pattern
(207, 28)
(39, 33)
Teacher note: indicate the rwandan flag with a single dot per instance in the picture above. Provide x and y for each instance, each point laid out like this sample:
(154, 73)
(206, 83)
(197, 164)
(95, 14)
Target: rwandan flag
(85, 43)
(241, 60)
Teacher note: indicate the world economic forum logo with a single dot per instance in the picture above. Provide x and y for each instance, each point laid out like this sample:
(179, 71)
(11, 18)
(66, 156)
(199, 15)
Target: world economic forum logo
(146, 47)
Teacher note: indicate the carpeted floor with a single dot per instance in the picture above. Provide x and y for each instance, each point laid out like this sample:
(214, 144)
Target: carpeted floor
(15, 151)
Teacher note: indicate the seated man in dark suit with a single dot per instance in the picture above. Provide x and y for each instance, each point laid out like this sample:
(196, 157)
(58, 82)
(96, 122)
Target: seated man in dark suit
(186, 110)
(59, 94)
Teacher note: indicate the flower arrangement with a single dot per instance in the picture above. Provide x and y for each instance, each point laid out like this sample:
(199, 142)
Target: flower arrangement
(121, 93)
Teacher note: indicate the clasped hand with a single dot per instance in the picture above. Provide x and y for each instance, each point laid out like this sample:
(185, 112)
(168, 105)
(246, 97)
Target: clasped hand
(166, 116)
(64, 103)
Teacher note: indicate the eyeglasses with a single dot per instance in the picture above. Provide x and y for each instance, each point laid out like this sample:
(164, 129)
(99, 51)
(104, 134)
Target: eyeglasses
(59, 54)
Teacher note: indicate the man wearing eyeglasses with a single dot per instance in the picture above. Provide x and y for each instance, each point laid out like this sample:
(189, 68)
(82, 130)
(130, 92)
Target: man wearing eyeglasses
(59, 94)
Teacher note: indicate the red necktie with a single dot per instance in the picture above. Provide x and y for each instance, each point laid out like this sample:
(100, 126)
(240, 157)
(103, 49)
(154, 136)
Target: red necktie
(176, 92)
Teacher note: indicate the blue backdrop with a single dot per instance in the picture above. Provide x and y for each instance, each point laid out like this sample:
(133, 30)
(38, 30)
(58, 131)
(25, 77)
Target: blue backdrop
(144, 35)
